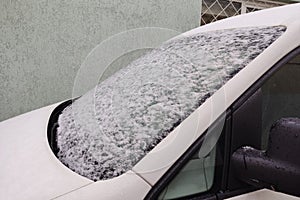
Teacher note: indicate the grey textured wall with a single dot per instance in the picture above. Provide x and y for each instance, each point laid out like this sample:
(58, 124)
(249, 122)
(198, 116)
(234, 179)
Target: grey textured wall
(43, 43)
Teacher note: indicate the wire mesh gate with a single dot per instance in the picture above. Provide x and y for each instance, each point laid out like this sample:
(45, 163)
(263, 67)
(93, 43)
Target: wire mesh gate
(213, 10)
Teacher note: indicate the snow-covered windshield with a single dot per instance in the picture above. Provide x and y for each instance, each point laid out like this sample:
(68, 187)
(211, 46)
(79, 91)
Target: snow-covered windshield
(108, 130)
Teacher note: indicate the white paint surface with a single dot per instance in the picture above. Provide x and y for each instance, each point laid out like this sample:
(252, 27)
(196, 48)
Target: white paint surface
(264, 194)
(29, 169)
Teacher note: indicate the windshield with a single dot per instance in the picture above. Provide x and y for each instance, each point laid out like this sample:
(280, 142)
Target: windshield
(108, 130)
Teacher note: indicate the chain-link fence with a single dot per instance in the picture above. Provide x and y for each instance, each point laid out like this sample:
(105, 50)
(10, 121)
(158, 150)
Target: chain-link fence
(213, 10)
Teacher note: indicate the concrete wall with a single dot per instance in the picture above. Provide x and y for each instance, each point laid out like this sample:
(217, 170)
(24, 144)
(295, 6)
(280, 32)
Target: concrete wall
(43, 43)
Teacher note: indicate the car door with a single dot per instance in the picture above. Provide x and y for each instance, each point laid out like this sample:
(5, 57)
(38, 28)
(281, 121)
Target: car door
(247, 123)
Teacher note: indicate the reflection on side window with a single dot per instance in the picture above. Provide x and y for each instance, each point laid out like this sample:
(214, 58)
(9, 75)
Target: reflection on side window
(196, 176)
(281, 96)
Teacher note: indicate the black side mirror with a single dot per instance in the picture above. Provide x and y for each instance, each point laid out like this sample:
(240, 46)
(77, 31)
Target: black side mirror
(278, 167)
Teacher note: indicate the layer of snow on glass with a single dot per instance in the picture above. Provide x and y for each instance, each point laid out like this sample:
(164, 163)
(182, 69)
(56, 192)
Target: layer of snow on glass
(108, 130)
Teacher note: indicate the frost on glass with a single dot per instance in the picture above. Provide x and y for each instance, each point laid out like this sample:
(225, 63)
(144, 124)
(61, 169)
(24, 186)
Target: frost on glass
(125, 116)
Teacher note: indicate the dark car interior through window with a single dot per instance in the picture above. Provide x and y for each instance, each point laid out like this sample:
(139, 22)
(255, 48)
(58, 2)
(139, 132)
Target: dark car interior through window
(274, 96)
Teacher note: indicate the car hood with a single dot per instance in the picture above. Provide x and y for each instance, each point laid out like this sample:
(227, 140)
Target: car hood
(29, 169)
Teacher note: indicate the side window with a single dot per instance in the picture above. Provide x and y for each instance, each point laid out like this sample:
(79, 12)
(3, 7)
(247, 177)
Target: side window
(198, 174)
(195, 177)
(273, 97)
(281, 96)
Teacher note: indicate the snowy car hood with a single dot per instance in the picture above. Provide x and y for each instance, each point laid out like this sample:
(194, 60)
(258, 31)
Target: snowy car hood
(29, 169)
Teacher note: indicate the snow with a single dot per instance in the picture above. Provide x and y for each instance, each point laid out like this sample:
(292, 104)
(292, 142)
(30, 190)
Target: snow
(108, 130)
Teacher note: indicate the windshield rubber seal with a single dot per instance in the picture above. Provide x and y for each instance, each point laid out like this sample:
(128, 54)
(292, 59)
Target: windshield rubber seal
(53, 125)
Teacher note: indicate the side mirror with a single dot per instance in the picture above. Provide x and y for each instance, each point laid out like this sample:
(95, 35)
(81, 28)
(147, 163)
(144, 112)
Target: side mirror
(278, 167)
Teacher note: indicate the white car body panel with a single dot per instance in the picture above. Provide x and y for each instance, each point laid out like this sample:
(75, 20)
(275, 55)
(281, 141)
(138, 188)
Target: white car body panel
(31, 171)
(127, 186)
(263, 195)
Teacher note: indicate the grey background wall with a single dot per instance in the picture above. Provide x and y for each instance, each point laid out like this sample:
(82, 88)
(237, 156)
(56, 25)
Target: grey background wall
(43, 43)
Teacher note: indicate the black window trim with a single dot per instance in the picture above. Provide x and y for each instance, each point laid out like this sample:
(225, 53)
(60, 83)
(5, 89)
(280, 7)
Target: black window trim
(219, 192)
(53, 124)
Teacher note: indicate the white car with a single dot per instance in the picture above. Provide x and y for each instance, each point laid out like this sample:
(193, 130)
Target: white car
(211, 114)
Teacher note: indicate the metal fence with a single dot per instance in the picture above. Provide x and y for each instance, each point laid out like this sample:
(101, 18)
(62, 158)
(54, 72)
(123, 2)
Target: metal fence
(213, 10)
